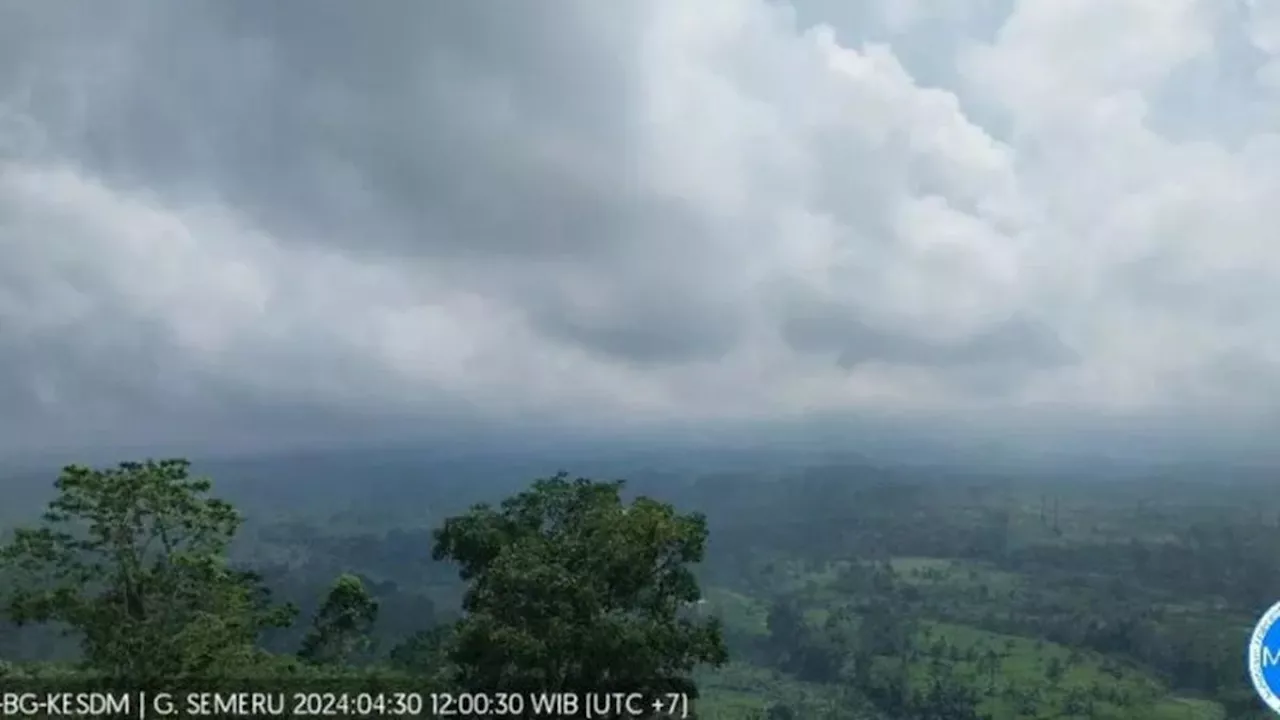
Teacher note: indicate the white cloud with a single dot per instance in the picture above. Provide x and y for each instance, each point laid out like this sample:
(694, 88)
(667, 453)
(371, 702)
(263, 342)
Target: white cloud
(641, 214)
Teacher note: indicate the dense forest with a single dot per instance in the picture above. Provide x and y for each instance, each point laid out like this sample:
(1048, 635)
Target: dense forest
(849, 591)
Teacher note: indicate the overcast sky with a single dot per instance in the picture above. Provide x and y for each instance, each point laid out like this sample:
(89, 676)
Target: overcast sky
(299, 219)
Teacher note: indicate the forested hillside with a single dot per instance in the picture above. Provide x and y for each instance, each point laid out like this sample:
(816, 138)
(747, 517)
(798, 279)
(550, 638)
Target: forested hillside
(845, 592)
(567, 589)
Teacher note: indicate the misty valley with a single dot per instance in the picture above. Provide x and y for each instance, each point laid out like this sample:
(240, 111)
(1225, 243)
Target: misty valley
(843, 590)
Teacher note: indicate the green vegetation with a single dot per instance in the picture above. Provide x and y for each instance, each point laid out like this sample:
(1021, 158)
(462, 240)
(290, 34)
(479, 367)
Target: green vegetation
(568, 589)
(571, 590)
(842, 593)
(132, 560)
(1002, 598)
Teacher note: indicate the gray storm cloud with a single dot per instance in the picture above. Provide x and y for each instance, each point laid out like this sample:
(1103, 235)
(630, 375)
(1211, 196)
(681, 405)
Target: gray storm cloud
(255, 216)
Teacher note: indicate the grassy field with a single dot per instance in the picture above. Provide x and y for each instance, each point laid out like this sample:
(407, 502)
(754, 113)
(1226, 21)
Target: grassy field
(739, 612)
(738, 691)
(1058, 678)
(955, 574)
(1012, 674)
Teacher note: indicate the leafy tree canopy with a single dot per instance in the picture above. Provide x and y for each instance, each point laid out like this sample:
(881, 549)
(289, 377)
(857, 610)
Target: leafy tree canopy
(133, 560)
(572, 589)
(340, 629)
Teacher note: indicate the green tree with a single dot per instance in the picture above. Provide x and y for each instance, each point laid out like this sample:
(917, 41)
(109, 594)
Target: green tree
(133, 560)
(988, 664)
(779, 711)
(341, 628)
(786, 631)
(1054, 670)
(947, 698)
(571, 589)
(424, 653)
